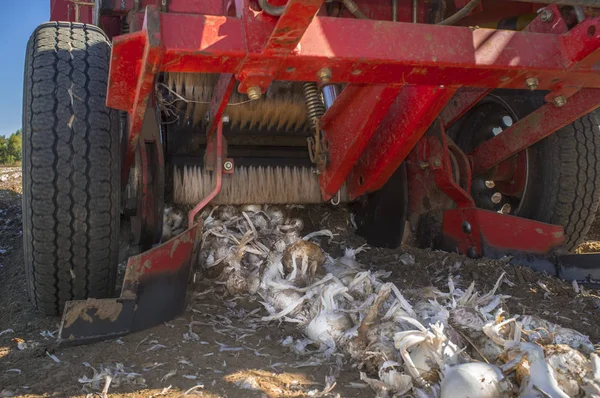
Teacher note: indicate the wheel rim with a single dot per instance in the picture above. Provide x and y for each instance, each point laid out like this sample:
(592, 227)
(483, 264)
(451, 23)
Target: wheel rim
(508, 191)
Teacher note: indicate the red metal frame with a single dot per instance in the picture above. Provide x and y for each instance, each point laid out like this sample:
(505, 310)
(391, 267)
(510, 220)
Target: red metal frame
(218, 170)
(404, 79)
(407, 120)
(479, 232)
(531, 129)
(258, 48)
(349, 124)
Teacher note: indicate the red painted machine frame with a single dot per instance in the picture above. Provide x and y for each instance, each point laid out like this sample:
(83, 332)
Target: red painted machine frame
(400, 76)
(405, 83)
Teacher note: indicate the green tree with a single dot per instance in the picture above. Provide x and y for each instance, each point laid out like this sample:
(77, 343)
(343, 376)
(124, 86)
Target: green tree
(10, 148)
(3, 151)
(13, 146)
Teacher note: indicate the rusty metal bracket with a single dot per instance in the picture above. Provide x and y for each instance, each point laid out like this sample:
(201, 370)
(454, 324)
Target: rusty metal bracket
(154, 291)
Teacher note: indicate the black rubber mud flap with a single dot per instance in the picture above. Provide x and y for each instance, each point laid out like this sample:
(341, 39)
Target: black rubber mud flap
(154, 291)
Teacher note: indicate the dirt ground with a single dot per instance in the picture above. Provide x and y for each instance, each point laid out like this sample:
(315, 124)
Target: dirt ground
(212, 350)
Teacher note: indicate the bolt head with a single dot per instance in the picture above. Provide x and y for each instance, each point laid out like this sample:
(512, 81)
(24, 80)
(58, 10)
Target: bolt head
(546, 16)
(466, 227)
(471, 252)
(532, 83)
(228, 165)
(437, 162)
(324, 75)
(254, 93)
(225, 119)
(560, 101)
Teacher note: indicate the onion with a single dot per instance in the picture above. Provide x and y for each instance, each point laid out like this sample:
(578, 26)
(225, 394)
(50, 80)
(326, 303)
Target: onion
(301, 260)
(428, 349)
(568, 367)
(475, 379)
(329, 324)
(592, 380)
(327, 327)
(538, 329)
(535, 372)
(251, 208)
(399, 382)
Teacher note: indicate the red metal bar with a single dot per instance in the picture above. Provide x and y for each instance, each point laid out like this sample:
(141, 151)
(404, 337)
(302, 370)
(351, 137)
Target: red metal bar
(218, 176)
(437, 154)
(348, 125)
(457, 56)
(288, 31)
(464, 99)
(407, 120)
(218, 102)
(146, 68)
(580, 44)
(531, 129)
(544, 23)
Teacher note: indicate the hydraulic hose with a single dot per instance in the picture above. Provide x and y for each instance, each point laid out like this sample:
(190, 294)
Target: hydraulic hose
(460, 14)
(271, 9)
(353, 8)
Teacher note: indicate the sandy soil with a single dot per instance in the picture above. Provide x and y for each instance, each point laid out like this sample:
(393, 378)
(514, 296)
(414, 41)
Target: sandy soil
(230, 353)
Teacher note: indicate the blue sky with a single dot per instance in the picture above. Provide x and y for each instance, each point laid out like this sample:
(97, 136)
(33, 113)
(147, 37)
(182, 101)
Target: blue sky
(18, 19)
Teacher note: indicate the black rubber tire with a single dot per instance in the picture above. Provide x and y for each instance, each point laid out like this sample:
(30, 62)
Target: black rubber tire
(564, 179)
(71, 166)
(381, 215)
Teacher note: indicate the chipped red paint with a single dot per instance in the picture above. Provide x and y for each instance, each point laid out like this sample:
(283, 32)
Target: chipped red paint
(169, 256)
(407, 120)
(348, 126)
(134, 99)
(284, 37)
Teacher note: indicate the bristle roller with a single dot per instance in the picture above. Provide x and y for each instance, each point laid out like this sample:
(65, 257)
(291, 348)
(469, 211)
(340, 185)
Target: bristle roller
(282, 108)
(249, 185)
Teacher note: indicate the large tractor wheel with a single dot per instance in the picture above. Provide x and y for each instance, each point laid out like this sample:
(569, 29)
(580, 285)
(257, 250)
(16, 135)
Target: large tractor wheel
(70, 167)
(557, 180)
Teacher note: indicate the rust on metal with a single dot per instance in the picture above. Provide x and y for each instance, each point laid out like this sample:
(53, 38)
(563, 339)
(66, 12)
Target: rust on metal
(106, 309)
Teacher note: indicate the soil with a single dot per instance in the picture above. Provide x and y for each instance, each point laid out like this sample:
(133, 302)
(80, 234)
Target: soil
(227, 355)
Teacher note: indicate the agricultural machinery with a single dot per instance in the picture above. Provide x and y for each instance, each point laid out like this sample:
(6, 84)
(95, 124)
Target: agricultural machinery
(466, 122)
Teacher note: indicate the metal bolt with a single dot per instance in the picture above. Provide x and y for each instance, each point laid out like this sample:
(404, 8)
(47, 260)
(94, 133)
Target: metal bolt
(490, 184)
(437, 162)
(324, 75)
(466, 227)
(471, 252)
(228, 165)
(254, 92)
(497, 198)
(532, 83)
(560, 101)
(546, 16)
(225, 119)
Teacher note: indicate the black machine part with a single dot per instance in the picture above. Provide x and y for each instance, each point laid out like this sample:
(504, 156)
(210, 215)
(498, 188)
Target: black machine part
(563, 170)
